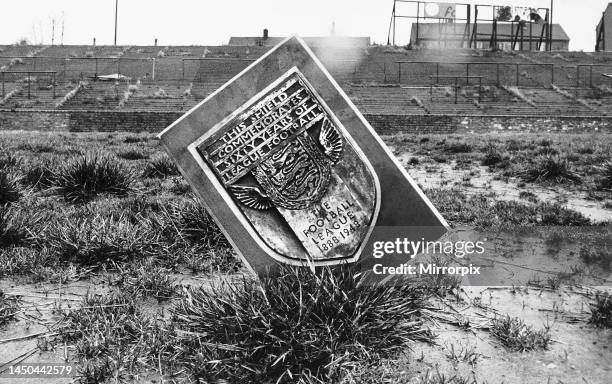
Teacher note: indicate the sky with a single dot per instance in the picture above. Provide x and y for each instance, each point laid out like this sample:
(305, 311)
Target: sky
(208, 22)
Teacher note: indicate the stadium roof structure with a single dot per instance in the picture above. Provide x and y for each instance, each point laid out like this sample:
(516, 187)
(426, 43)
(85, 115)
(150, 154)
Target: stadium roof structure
(433, 31)
(315, 41)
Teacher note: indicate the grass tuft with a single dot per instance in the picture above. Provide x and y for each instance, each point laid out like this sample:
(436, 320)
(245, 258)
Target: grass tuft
(133, 154)
(9, 307)
(83, 177)
(298, 325)
(94, 239)
(601, 311)
(148, 279)
(8, 160)
(40, 174)
(113, 339)
(458, 148)
(550, 168)
(492, 157)
(160, 167)
(14, 226)
(440, 378)
(605, 181)
(9, 188)
(515, 335)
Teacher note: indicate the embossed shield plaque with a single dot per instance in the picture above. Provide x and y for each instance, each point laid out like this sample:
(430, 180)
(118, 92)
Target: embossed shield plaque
(288, 167)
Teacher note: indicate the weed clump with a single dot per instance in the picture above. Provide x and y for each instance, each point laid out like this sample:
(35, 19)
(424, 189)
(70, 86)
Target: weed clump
(492, 157)
(601, 311)
(298, 325)
(148, 279)
(458, 148)
(83, 177)
(600, 257)
(134, 139)
(515, 335)
(161, 167)
(9, 306)
(550, 168)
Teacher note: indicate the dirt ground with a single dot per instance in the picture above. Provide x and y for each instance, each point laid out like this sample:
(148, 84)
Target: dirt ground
(571, 249)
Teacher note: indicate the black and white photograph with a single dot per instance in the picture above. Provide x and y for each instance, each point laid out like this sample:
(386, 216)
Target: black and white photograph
(306, 192)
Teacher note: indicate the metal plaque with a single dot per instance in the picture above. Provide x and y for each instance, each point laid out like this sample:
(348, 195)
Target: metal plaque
(294, 173)
(288, 167)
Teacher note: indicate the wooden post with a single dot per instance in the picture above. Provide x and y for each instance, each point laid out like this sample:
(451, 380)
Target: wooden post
(29, 85)
(53, 85)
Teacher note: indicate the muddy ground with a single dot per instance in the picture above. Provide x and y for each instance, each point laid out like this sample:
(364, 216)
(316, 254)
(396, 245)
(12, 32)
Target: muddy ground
(49, 279)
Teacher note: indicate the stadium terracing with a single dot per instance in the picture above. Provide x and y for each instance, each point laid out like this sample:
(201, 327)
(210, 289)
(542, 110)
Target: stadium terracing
(382, 81)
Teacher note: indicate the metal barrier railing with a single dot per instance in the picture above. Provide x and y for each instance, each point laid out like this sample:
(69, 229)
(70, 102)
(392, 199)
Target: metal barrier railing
(15, 76)
(468, 65)
(455, 85)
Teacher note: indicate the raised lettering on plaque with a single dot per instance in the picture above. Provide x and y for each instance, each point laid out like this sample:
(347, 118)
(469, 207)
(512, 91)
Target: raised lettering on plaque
(303, 185)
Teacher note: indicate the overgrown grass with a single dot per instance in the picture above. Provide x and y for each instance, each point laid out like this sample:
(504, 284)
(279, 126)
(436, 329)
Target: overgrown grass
(113, 338)
(14, 226)
(148, 279)
(133, 154)
(40, 174)
(296, 325)
(83, 177)
(95, 239)
(10, 191)
(601, 311)
(160, 166)
(515, 335)
(550, 168)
